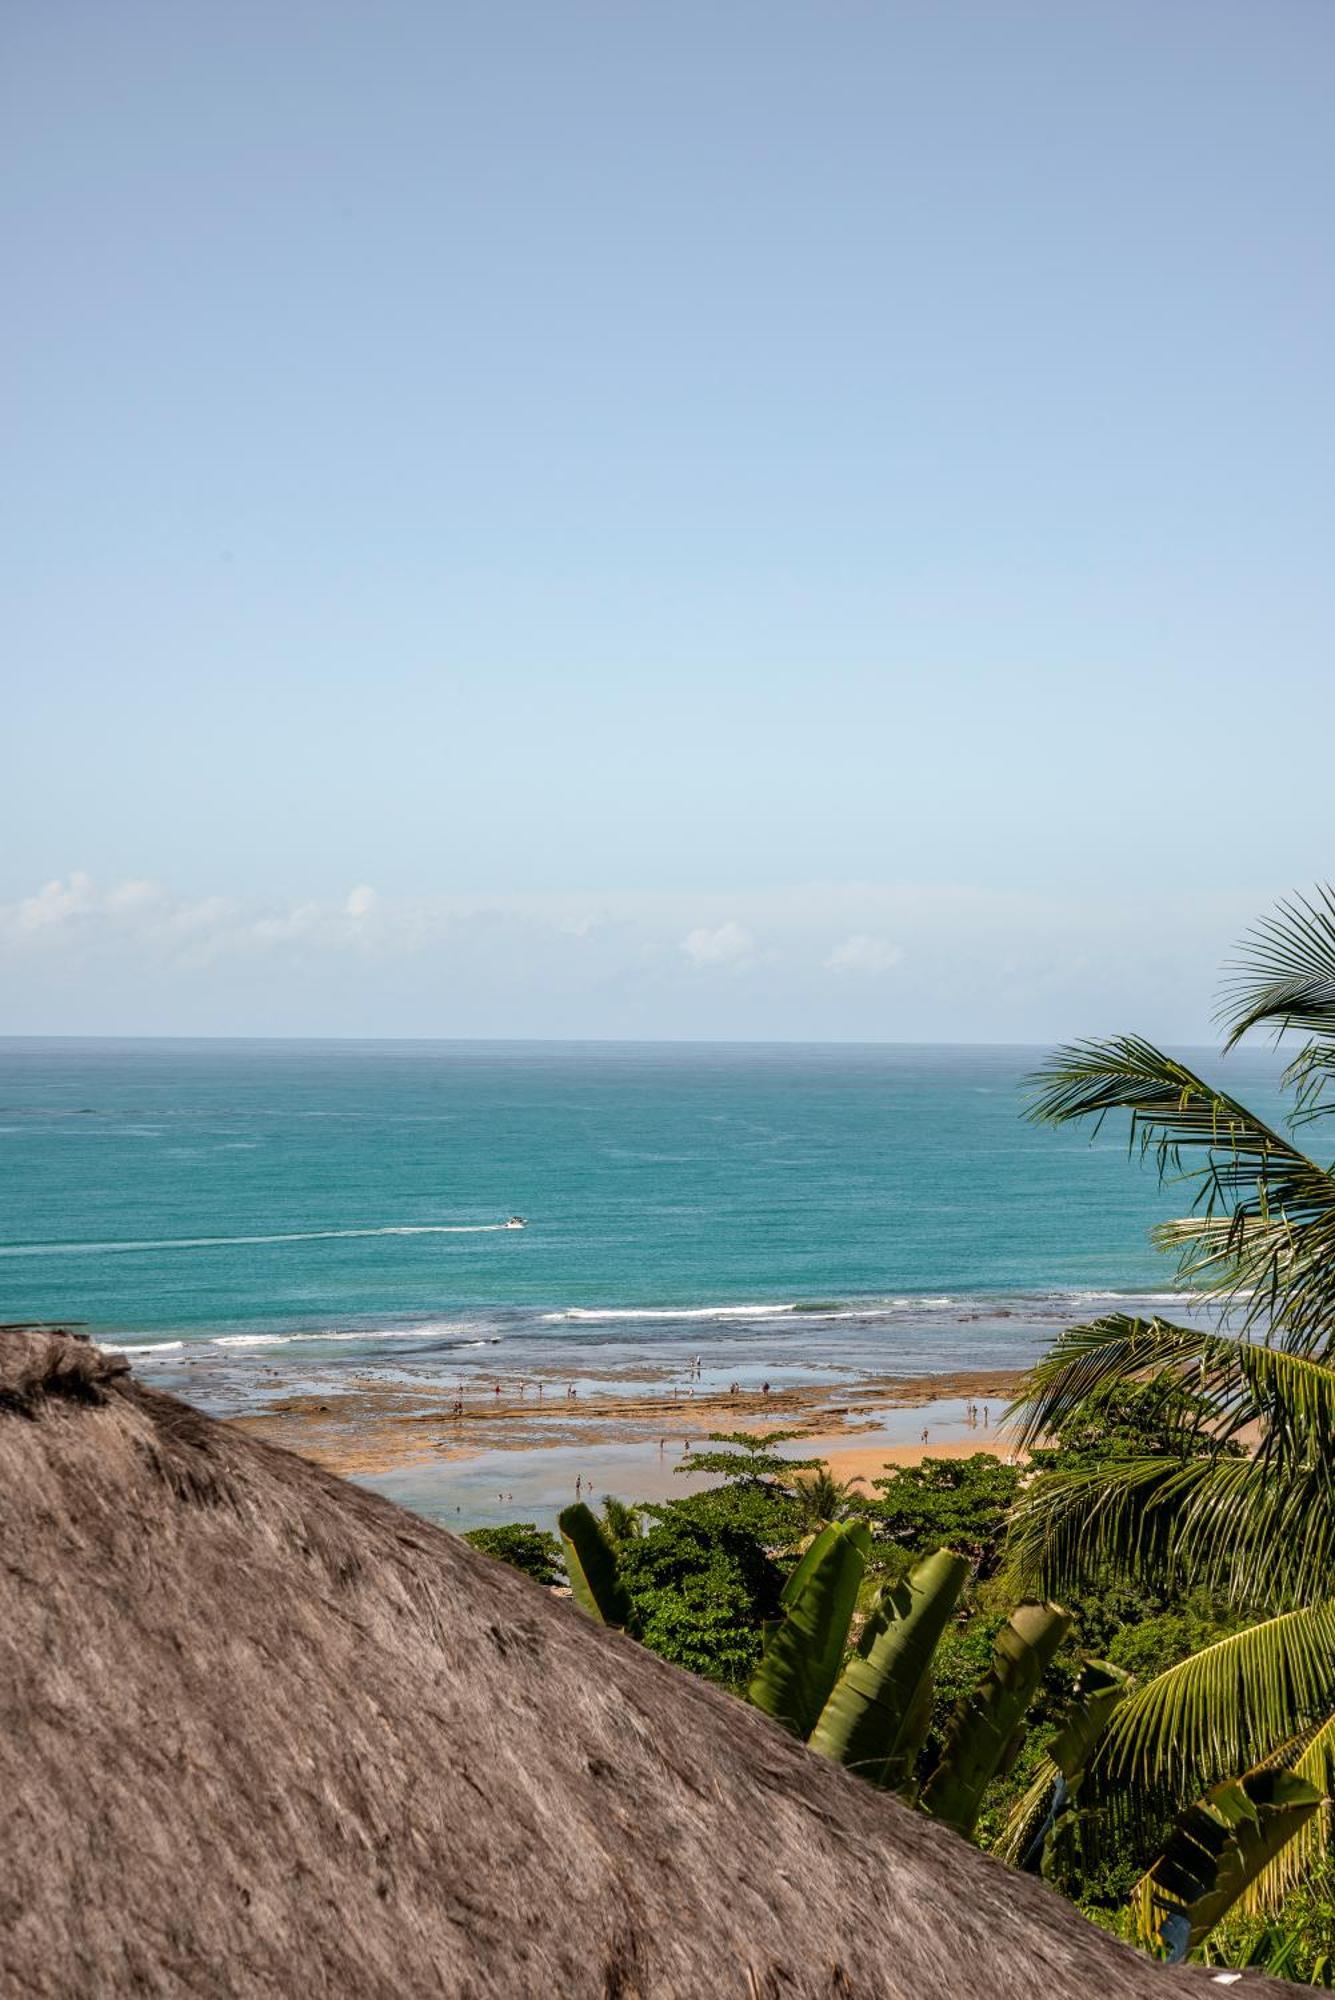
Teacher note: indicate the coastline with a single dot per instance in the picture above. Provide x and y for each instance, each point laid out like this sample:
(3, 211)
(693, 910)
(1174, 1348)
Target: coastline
(515, 1448)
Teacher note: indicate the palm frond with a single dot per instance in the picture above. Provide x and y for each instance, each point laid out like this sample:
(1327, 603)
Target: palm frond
(1309, 1077)
(1284, 977)
(1262, 1227)
(1261, 1527)
(1227, 1524)
(1223, 1709)
(1026, 1816)
(1239, 1381)
(1311, 1755)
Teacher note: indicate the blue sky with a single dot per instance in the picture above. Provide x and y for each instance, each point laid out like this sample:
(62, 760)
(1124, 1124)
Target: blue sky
(618, 519)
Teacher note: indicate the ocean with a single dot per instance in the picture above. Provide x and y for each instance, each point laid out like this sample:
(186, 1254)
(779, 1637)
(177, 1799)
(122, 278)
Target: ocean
(282, 1211)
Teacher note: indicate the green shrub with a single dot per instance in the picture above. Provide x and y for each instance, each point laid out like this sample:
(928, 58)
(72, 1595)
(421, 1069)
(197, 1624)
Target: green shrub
(524, 1546)
(702, 1590)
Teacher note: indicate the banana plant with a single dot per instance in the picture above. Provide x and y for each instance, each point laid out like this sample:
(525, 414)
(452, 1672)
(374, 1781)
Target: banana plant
(595, 1573)
(1025, 1840)
(874, 1716)
(987, 1728)
(1216, 1851)
(877, 1715)
(804, 1648)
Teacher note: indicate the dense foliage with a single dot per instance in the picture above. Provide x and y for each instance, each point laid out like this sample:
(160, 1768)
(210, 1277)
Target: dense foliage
(702, 1591)
(524, 1546)
(954, 1503)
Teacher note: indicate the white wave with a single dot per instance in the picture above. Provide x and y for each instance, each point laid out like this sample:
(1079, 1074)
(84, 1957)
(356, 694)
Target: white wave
(884, 1308)
(595, 1314)
(147, 1347)
(376, 1333)
(220, 1242)
(250, 1340)
(1138, 1298)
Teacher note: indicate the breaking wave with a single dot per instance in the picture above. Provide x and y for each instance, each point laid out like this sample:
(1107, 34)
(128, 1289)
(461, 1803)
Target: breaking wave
(596, 1314)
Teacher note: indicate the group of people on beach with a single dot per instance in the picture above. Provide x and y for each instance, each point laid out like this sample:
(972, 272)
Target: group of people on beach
(695, 1373)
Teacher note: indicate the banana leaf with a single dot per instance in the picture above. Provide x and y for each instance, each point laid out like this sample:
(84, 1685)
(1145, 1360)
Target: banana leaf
(595, 1575)
(803, 1651)
(1098, 1688)
(1217, 1849)
(877, 1715)
(987, 1727)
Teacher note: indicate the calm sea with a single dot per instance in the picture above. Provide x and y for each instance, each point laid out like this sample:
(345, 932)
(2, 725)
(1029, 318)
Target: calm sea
(778, 1209)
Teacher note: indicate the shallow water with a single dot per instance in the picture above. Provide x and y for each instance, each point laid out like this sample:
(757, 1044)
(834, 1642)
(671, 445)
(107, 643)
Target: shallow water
(534, 1483)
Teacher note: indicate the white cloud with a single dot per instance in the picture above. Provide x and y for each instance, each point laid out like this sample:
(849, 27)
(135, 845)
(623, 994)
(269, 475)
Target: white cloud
(864, 953)
(75, 913)
(55, 903)
(867, 960)
(730, 944)
(135, 896)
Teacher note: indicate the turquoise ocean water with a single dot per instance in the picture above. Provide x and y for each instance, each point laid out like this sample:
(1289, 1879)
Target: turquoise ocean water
(781, 1210)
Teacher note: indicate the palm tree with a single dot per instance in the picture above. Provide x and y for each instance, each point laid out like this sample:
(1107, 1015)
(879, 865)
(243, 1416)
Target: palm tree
(1258, 1526)
(821, 1498)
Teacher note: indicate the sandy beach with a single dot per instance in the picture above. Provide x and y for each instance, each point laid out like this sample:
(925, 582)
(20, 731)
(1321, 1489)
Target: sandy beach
(515, 1448)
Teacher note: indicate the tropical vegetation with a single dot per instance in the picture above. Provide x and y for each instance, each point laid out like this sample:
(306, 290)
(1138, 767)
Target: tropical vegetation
(1235, 1495)
(1116, 1665)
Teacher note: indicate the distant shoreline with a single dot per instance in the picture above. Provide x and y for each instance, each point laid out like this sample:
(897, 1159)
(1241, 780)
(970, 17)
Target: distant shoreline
(517, 1454)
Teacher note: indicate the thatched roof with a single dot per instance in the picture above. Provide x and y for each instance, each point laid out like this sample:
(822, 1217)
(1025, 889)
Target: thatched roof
(264, 1733)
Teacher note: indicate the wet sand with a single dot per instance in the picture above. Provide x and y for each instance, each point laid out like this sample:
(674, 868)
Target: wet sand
(515, 1449)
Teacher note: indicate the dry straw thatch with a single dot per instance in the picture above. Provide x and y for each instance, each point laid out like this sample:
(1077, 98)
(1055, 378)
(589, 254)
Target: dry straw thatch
(263, 1733)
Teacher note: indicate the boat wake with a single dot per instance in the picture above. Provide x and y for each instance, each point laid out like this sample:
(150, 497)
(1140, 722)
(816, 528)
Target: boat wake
(222, 1242)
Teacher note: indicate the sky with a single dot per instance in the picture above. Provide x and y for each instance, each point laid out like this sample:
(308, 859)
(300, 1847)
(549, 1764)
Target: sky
(764, 521)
